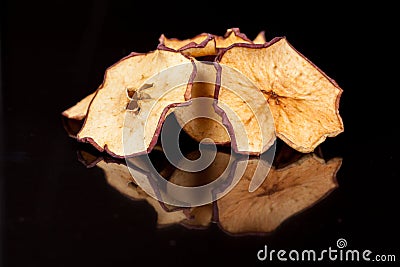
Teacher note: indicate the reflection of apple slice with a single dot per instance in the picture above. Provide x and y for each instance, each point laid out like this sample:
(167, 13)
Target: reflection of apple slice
(285, 192)
(200, 216)
(118, 176)
(209, 174)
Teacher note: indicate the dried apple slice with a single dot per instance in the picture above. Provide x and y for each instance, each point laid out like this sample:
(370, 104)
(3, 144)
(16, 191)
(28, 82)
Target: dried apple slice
(212, 126)
(284, 193)
(204, 44)
(208, 126)
(240, 115)
(110, 120)
(303, 100)
(73, 117)
(79, 110)
(244, 106)
(260, 38)
(198, 46)
(232, 36)
(199, 119)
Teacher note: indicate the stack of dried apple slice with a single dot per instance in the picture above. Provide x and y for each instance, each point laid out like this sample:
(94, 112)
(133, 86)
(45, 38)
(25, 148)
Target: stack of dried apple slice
(303, 100)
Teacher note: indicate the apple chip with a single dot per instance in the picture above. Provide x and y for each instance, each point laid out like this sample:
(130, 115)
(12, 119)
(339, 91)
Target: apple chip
(260, 38)
(240, 114)
(204, 44)
(284, 192)
(113, 118)
(303, 100)
(198, 46)
(73, 117)
(79, 110)
(232, 36)
(208, 123)
(248, 115)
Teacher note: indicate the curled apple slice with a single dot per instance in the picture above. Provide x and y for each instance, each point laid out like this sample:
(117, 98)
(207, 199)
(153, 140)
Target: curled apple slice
(232, 36)
(238, 112)
(205, 44)
(198, 46)
(133, 101)
(303, 100)
(210, 125)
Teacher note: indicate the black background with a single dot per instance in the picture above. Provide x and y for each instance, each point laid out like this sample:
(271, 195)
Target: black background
(55, 212)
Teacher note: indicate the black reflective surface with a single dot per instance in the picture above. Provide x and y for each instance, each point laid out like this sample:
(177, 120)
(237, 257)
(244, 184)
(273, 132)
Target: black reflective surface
(57, 212)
